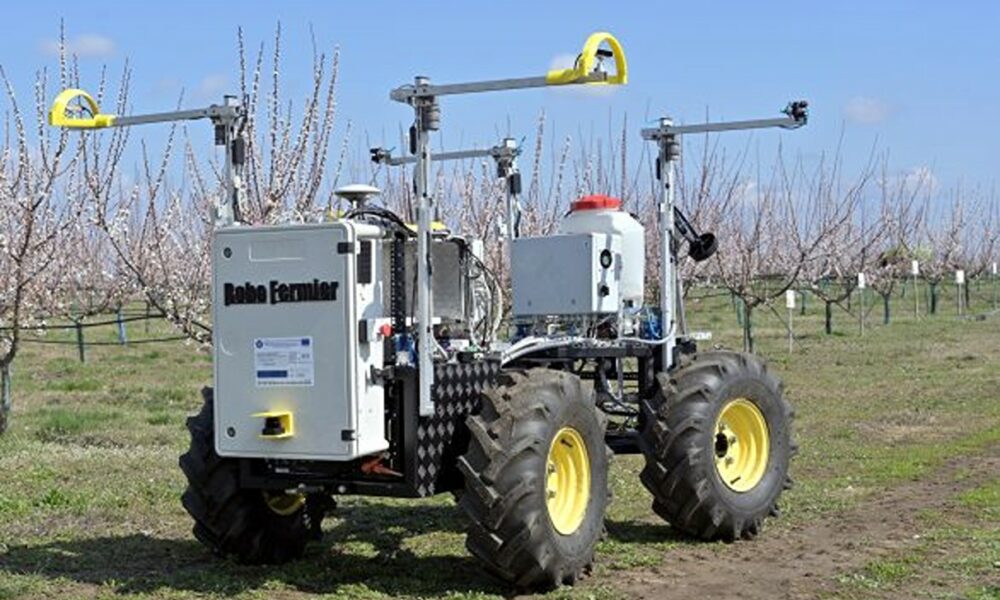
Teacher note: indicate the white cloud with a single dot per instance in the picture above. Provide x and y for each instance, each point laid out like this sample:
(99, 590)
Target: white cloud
(867, 110)
(746, 192)
(167, 85)
(87, 45)
(920, 177)
(211, 87)
(562, 61)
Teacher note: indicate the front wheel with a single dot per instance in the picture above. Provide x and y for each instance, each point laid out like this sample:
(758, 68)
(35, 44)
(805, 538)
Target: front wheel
(717, 441)
(536, 479)
(254, 526)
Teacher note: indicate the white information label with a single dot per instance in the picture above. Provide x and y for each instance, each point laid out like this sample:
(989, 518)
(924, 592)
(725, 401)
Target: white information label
(789, 298)
(960, 277)
(861, 281)
(283, 361)
(915, 268)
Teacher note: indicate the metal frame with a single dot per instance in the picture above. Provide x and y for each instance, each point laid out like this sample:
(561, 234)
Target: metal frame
(504, 155)
(667, 136)
(422, 87)
(422, 96)
(229, 119)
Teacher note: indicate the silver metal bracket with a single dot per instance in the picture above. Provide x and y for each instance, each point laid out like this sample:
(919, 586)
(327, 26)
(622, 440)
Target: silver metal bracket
(407, 94)
(796, 115)
(502, 153)
(667, 136)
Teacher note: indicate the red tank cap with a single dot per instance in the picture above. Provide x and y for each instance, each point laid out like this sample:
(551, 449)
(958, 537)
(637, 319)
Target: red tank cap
(596, 202)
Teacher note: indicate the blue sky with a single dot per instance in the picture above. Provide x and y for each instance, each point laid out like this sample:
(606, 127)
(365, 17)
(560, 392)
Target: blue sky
(919, 77)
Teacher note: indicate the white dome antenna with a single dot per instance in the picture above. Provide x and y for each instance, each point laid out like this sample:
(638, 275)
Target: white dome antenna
(357, 194)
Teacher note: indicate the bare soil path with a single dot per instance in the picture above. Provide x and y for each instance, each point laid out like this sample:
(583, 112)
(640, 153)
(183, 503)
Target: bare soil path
(804, 561)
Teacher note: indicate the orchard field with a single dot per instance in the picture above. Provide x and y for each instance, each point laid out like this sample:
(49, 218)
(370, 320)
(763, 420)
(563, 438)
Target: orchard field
(897, 489)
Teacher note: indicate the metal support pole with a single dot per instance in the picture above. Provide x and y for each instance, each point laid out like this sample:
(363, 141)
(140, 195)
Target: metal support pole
(505, 156)
(916, 299)
(669, 150)
(122, 333)
(229, 126)
(791, 335)
(507, 168)
(861, 310)
(227, 209)
(994, 290)
(79, 341)
(424, 109)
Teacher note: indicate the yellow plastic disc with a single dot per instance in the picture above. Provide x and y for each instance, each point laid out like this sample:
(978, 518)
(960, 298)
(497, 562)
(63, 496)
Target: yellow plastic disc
(742, 445)
(284, 504)
(567, 483)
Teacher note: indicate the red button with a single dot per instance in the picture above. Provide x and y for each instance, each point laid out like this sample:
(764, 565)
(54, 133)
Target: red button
(385, 330)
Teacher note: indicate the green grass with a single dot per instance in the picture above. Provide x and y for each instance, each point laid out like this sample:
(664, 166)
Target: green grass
(89, 501)
(64, 423)
(985, 498)
(880, 574)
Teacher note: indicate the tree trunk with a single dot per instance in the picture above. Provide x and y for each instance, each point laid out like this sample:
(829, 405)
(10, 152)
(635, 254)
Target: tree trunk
(934, 298)
(885, 308)
(802, 309)
(5, 401)
(747, 328)
(829, 317)
(966, 290)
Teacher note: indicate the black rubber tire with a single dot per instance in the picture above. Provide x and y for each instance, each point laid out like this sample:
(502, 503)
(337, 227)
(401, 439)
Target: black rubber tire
(227, 519)
(505, 478)
(678, 440)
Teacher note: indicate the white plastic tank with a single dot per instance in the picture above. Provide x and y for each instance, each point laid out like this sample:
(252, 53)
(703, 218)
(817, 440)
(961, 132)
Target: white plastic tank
(603, 214)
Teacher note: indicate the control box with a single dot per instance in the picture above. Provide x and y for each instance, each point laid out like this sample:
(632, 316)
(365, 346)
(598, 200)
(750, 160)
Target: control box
(449, 279)
(575, 274)
(298, 316)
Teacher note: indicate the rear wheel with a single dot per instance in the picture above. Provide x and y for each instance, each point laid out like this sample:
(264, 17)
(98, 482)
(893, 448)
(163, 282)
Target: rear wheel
(717, 441)
(536, 479)
(254, 526)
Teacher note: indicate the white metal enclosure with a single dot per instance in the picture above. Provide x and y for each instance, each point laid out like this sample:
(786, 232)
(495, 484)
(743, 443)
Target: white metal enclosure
(578, 274)
(297, 317)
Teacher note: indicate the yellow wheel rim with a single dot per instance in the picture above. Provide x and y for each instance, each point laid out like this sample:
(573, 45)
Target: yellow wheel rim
(742, 444)
(567, 481)
(284, 504)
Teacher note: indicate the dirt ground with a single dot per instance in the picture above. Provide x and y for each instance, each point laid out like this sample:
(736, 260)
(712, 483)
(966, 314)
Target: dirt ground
(805, 561)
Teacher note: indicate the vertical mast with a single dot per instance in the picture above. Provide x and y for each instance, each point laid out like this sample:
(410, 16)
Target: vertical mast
(427, 113)
(668, 284)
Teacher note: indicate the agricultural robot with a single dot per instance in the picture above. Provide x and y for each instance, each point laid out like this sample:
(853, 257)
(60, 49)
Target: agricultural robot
(363, 355)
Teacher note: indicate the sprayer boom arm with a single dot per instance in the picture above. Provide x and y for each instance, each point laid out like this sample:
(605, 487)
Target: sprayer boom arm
(796, 115)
